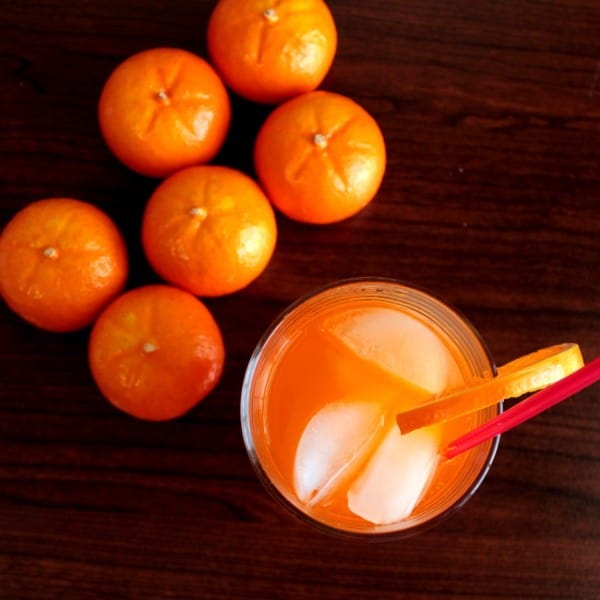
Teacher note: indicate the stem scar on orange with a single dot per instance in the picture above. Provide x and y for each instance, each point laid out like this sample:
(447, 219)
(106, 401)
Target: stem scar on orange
(271, 50)
(320, 157)
(155, 352)
(61, 261)
(164, 109)
(209, 230)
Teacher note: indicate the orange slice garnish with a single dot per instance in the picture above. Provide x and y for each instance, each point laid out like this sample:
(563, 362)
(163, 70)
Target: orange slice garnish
(523, 375)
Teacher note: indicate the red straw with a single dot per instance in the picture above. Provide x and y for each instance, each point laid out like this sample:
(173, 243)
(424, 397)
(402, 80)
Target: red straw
(532, 406)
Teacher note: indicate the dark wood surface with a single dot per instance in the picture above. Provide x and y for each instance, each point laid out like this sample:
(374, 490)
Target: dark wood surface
(491, 200)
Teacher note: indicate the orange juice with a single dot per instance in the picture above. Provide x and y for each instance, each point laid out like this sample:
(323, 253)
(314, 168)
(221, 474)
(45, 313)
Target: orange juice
(320, 398)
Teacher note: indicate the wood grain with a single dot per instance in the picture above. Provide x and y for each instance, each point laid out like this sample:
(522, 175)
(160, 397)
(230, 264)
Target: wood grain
(491, 200)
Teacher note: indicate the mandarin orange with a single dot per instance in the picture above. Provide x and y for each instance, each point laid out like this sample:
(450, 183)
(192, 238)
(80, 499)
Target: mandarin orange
(209, 230)
(271, 50)
(320, 157)
(164, 109)
(155, 352)
(61, 261)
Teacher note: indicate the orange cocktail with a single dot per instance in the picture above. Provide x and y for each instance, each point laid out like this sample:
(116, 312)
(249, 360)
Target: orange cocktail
(320, 398)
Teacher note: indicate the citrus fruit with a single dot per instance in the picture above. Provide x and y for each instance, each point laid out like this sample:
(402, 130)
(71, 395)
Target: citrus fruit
(523, 375)
(209, 230)
(155, 352)
(320, 157)
(164, 109)
(271, 50)
(532, 406)
(61, 261)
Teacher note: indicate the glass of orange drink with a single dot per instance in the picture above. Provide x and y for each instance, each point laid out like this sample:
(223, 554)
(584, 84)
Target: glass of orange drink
(320, 397)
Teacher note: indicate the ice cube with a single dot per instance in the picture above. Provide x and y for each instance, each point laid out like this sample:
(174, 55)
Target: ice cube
(395, 477)
(333, 442)
(400, 344)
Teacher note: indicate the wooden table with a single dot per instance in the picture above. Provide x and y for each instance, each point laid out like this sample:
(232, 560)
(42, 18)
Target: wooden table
(491, 200)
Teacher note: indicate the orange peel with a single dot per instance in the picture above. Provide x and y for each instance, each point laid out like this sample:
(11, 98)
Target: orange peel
(521, 376)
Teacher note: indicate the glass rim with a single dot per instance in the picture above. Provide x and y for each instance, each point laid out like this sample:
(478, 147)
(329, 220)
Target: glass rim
(262, 474)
